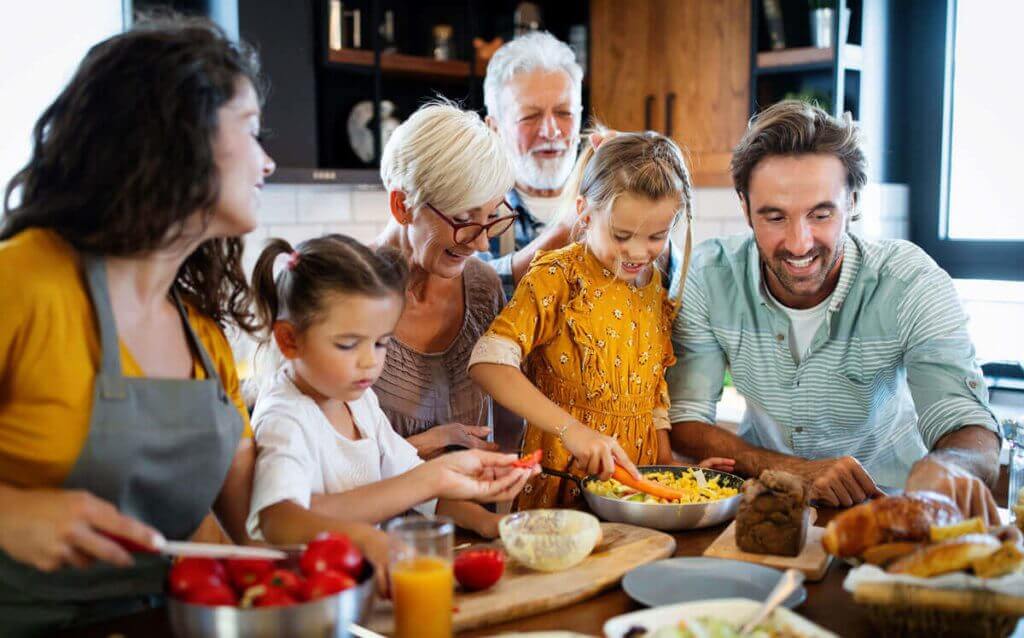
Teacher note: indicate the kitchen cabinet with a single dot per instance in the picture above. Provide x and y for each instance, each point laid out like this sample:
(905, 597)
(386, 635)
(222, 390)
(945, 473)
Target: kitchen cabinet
(679, 67)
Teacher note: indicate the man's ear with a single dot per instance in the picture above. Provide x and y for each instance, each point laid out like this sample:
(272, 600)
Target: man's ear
(491, 123)
(286, 338)
(396, 201)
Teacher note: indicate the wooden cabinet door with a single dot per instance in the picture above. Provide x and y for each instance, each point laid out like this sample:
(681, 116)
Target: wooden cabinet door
(680, 67)
(706, 78)
(625, 85)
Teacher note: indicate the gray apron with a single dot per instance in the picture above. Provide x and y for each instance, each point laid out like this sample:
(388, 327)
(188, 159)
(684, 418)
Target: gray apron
(159, 450)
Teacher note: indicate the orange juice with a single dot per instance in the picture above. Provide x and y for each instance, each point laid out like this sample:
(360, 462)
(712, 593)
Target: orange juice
(422, 591)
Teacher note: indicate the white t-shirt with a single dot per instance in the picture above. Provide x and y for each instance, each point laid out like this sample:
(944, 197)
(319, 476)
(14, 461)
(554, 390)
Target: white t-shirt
(803, 325)
(299, 453)
(544, 209)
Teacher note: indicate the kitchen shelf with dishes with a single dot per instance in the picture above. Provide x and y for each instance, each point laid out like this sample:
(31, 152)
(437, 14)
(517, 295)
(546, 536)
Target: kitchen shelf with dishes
(399, 64)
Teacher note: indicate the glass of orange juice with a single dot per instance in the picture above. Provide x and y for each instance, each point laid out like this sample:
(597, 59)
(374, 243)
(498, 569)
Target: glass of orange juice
(421, 576)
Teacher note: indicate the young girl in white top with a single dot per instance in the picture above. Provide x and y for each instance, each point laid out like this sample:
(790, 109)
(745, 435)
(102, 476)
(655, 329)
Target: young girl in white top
(323, 442)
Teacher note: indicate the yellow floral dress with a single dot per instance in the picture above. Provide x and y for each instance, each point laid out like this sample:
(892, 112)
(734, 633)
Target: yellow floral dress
(598, 347)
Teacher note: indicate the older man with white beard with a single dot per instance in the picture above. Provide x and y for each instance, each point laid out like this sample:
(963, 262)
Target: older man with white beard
(533, 95)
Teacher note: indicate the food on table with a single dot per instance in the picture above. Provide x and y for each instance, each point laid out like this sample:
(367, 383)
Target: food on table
(265, 583)
(421, 588)
(1008, 559)
(325, 583)
(940, 533)
(549, 540)
(887, 553)
(908, 517)
(684, 485)
(953, 555)
(245, 572)
(266, 596)
(715, 628)
(287, 580)
(773, 515)
(477, 569)
(190, 574)
(330, 550)
(529, 460)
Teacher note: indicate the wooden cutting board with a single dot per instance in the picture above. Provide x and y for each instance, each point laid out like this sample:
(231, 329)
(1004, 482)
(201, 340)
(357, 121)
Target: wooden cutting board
(524, 592)
(812, 560)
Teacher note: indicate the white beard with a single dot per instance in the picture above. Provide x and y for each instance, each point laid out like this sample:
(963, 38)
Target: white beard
(544, 174)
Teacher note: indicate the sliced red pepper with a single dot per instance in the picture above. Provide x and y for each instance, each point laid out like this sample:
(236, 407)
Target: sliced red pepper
(529, 460)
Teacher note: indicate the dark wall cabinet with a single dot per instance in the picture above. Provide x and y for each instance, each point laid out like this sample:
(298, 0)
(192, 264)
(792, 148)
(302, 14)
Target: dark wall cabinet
(315, 89)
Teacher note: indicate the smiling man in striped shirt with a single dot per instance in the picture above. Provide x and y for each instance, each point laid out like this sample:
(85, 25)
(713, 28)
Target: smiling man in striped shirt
(853, 356)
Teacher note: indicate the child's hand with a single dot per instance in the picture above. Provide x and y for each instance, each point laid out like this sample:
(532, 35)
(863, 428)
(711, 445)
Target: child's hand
(374, 545)
(719, 463)
(596, 453)
(478, 476)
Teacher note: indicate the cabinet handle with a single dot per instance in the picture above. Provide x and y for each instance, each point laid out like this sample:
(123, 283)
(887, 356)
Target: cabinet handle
(648, 111)
(670, 101)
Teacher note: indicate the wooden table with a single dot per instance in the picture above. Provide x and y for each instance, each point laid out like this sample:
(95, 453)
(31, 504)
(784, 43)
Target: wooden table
(828, 604)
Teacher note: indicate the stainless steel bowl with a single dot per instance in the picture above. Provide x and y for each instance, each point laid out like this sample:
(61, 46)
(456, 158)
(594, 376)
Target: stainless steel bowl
(666, 516)
(327, 617)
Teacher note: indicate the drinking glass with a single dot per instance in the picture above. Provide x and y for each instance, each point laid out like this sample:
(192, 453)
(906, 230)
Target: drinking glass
(422, 581)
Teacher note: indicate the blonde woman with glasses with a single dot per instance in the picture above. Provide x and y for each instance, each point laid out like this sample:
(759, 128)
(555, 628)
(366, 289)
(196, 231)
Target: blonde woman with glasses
(446, 175)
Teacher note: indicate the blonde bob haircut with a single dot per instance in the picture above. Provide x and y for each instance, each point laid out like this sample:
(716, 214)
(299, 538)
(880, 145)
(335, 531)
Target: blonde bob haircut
(448, 157)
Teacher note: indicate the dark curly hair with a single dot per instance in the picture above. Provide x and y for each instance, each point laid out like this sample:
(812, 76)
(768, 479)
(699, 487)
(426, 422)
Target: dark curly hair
(123, 157)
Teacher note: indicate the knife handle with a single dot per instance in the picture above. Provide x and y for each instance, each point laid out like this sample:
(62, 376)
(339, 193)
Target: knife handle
(129, 544)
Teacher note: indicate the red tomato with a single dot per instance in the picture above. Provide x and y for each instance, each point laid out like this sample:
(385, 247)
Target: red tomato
(326, 583)
(213, 595)
(529, 460)
(246, 572)
(331, 551)
(285, 579)
(191, 574)
(266, 596)
(477, 569)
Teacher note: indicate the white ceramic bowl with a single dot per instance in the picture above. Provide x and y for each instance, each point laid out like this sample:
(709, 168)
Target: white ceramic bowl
(549, 540)
(736, 610)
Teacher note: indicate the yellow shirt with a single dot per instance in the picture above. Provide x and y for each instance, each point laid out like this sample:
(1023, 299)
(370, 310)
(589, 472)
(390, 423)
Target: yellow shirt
(49, 355)
(598, 347)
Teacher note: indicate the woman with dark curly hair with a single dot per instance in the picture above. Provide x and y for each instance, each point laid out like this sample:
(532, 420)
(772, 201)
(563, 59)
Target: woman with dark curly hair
(120, 266)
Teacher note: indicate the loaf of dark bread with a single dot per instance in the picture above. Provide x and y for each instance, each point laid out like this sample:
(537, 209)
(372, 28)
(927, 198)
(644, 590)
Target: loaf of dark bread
(773, 515)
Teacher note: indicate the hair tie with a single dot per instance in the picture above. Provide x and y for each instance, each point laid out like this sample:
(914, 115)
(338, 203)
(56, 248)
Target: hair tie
(293, 260)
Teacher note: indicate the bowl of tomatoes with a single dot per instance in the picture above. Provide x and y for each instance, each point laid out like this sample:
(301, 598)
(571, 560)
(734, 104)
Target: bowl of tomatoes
(318, 592)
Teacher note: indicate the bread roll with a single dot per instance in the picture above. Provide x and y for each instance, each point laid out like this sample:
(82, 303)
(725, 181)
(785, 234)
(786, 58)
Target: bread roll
(953, 555)
(886, 553)
(773, 516)
(1006, 560)
(908, 517)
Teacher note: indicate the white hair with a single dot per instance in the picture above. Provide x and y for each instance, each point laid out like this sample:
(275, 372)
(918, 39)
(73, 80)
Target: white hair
(448, 157)
(535, 50)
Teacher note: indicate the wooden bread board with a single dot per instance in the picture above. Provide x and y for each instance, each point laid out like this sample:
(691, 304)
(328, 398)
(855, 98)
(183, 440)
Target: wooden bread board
(812, 560)
(524, 592)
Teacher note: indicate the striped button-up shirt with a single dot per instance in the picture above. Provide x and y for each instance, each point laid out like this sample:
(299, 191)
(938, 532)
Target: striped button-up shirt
(890, 371)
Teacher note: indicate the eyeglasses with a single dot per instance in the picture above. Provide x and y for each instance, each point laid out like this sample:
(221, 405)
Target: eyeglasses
(465, 232)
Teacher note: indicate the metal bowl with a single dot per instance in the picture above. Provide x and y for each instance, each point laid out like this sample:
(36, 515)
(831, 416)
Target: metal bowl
(666, 516)
(327, 617)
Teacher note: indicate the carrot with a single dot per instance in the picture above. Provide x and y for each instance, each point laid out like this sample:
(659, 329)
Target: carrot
(645, 486)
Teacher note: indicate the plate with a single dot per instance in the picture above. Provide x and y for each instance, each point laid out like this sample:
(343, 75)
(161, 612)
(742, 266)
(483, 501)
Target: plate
(684, 579)
(728, 609)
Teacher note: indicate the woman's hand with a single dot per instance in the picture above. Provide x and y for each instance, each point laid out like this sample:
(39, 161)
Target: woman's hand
(49, 529)
(476, 475)
(439, 437)
(596, 453)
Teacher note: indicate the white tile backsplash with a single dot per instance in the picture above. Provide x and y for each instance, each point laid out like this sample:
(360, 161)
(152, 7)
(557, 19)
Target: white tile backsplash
(324, 203)
(278, 204)
(370, 206)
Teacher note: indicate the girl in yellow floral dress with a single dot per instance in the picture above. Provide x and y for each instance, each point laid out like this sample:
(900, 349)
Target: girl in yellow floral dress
(581, 349)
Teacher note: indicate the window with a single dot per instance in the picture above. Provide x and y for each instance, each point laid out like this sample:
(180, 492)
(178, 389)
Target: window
(965, 135)
(43, 43)
(986, 134)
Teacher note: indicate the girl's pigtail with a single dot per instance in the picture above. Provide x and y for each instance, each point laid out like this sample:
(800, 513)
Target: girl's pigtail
(268, 305)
